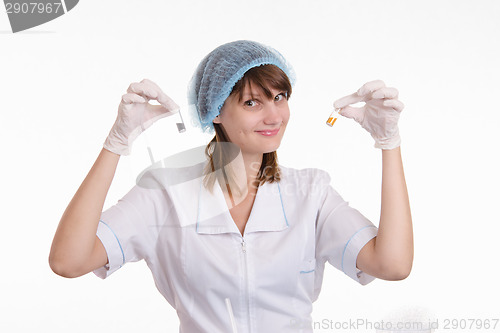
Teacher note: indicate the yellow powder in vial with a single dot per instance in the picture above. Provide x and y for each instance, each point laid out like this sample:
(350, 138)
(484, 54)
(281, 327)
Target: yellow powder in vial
(333, 117)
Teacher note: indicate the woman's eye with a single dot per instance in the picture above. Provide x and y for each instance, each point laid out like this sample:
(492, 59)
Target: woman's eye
(250, 103)
(280, 97)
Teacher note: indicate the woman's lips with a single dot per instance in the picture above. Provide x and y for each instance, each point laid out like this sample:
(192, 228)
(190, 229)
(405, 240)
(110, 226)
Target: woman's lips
(269, 133)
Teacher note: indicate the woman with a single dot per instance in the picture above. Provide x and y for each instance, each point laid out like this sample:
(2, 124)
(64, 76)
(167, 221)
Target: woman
(247, 239)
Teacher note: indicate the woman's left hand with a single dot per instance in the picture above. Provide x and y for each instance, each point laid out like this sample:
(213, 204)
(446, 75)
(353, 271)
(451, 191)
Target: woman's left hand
(379, 116)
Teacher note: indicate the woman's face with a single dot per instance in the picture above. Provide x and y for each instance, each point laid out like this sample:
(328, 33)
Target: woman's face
(256, 124)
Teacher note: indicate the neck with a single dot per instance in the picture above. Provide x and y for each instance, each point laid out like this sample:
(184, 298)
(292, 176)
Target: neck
(246, 168)
(252, 166)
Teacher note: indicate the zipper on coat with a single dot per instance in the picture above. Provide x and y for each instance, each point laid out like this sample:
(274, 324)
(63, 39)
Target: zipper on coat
(244, 250)
(243, 247)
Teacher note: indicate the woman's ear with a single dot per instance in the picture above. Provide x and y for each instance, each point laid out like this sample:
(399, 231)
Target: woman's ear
(216, 120)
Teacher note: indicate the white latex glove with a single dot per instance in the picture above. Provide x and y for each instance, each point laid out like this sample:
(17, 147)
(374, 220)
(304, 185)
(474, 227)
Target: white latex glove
(135, 115)
(379, 116)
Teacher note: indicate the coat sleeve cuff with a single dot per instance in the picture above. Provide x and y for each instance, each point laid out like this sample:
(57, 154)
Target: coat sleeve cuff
(350, 254)
(113, 249)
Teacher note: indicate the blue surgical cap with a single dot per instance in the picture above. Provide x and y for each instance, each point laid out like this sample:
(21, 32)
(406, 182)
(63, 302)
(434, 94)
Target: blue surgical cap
(220, 70)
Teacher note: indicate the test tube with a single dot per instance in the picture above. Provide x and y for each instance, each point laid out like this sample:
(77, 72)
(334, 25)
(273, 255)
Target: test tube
(333, 117)
(180, 126)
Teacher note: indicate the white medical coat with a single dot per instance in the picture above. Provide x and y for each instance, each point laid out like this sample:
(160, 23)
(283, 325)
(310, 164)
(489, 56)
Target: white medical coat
(198, 257)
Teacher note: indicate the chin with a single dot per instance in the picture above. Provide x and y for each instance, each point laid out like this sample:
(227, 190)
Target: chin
(271, 149)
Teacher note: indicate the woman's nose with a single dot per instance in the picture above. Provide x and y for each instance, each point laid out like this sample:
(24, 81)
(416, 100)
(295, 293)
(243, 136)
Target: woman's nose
(273, 114)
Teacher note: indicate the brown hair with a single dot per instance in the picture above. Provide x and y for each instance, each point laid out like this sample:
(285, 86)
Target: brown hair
(263, 77)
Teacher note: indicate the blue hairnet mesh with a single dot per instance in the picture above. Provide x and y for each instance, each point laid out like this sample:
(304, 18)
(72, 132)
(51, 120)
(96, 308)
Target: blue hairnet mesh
(220, 70)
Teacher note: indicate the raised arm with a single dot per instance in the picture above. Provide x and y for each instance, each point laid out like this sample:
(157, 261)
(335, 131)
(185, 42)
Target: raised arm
(76, 250)
(389, 255)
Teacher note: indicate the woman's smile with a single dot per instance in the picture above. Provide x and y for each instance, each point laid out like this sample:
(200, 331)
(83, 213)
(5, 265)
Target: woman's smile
(269, 132)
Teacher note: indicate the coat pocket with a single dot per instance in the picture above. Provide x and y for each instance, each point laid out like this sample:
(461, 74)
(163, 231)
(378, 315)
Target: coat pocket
(305, 287)
(308, 266)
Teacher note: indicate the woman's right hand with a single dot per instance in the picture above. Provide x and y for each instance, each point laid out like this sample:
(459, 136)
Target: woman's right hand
(135, 115)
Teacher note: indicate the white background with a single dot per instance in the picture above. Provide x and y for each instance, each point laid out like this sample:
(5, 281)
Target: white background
(61, 83)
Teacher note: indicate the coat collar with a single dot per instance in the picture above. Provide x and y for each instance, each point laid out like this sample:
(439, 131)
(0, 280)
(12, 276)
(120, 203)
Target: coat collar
(268, 213)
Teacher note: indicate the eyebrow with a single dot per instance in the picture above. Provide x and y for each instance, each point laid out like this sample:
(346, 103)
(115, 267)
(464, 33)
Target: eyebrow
(257, 94)
(251, 95)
